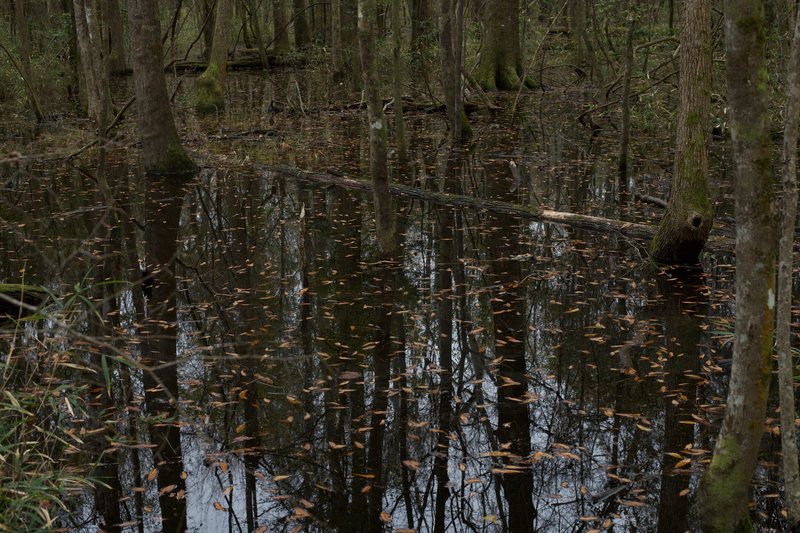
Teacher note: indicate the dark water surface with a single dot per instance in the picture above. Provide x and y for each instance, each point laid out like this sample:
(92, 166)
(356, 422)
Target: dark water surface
(495, 375)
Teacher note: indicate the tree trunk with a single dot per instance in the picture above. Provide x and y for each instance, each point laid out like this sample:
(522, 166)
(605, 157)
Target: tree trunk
(162, 151)
(725, 487)
(684, 228)
(90, 28)
(337, 56)
(209, 88)
(280, 44)
(116, 33)
(500, 65)
(302, 38)
(397, 79)
(23, 38)
(625, 134)
(421, 30)
(451, 18)
(378, 165)
(791, 474)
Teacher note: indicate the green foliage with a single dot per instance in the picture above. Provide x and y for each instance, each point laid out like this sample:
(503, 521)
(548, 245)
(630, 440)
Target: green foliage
(51, 64)
(42, 449)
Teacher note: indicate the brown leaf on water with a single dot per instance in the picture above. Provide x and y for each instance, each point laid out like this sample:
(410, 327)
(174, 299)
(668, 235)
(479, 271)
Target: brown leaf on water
(412, 464)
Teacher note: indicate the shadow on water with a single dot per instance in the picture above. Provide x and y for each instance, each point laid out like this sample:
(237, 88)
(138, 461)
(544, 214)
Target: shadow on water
(273, 369)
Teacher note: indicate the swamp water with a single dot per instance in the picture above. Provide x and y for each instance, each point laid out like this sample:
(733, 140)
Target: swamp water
(495, 374)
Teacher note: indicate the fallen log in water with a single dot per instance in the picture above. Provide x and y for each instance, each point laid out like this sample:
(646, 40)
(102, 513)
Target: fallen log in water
(18, 300)
(719, 244)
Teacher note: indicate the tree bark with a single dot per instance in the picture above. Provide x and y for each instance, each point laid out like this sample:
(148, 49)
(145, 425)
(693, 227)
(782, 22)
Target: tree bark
(625, 134)
(791, 471)
(302, 37)
(209, 88)
(500, 65)
(686, 224)
(23, 39)
(162, 151)
(378, 165)
(397, 79)
(450, 24)
(116, 33)
(91, 28)
(281, 43)
(725, 487)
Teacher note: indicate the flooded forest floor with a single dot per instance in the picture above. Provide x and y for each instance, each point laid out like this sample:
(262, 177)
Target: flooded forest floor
(496, 374)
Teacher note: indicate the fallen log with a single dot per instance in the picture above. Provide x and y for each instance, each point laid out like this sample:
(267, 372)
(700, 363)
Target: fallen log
(718, 244)
(18, 300)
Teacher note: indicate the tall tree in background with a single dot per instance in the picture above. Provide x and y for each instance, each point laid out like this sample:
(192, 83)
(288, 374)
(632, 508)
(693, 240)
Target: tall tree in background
(25, 70)
(162, 151)
(384, 218)
(281, 43)
(451, 25)
(500, 65)
(302, 36)
(117, 62)
(684, 228)
(92, 33)
(786, 392)
(209, 88)
(725, 486)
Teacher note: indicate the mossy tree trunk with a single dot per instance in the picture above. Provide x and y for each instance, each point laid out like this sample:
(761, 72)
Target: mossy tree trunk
(384, 217)
(500, 65)
(725, 486)
(684, 228)
(281, 43)
(208, 92)
(162, 151)
(791, 473)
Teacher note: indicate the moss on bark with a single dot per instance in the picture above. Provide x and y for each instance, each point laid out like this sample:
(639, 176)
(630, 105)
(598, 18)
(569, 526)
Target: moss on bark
(208, 93)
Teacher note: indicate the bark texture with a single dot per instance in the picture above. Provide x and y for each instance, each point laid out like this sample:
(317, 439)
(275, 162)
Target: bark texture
(162, 151)
(791, 472)
(725, 487)
(687, 221)
(384, 217)
(500, 65)
(116, 32)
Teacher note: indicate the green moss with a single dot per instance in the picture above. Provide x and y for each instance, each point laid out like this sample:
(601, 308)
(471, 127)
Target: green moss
(174, 161)
(723, 487)
(208, 93)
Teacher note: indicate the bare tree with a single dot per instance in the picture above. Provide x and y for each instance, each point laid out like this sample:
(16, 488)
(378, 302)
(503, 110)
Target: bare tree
(162, 151)
(684, 228)
(384, 217)
(791, 473)
(725, 486)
